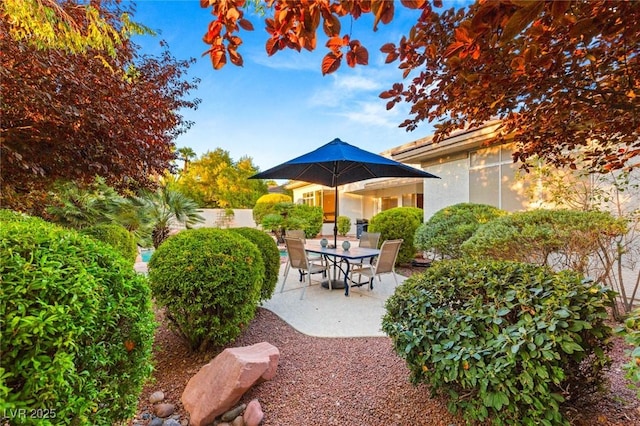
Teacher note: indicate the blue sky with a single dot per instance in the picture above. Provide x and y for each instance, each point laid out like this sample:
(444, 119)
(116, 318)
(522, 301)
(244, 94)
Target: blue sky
(275, 108)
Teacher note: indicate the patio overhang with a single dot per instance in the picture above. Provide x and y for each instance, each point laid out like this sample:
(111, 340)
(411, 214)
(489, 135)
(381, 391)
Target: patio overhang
(401, 185)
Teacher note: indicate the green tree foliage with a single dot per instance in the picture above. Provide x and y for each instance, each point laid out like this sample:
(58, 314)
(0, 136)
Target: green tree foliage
(71, 117)
(266, 204)
(292, 216)
(209, 280)
(449, 227)
(164, 208)
(77, 207)
(215, 180)
(186, 154)
(506, 342)
(76, 326)
(399, 222)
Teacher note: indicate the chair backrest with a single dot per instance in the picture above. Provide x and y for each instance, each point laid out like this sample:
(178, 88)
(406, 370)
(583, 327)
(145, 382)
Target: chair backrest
(296, 252)
(388, 255)
(295, 233)
(369, 239)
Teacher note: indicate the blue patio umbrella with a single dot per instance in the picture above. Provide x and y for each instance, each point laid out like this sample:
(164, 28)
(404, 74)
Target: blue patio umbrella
(338, 163)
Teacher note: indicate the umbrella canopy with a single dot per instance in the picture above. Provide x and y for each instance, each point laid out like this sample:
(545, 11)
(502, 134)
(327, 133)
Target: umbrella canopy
(338, 163)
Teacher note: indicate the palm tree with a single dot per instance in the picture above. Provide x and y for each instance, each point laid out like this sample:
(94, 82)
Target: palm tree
(186, 154)
(166, 207)
(77, 206)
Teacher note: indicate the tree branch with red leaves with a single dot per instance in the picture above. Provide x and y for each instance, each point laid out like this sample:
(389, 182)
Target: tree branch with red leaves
(564, 76)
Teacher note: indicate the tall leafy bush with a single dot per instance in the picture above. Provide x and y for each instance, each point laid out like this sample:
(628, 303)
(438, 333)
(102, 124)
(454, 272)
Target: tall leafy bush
(209, 280)
(399, 222)
(270, 255)
(449, 227)
(507, 342)
(76, 326)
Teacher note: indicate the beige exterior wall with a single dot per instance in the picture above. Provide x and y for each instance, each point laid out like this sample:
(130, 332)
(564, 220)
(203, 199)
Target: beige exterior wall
(451, 188)
(241, 218)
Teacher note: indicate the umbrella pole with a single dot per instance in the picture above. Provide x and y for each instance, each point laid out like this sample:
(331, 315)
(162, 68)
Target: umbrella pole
(335, 221)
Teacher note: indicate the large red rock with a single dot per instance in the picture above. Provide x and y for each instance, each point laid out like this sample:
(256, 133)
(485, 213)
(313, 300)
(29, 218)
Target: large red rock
(220, 384)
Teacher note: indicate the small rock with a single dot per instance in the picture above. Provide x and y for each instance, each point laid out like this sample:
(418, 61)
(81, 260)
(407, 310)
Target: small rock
(164, 410)
(184, 422)
(171, 422)
(253, 414)
(157, 396)
(232, 414)
(156, 421)
(145, 416)
(239, 421)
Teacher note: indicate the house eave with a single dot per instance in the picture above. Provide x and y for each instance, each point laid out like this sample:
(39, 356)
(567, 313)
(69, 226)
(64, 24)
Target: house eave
(423, 150)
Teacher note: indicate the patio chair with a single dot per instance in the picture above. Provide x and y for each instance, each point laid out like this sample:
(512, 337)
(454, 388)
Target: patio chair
(298, 259)
(384, 264)
(369, 239)
(299, 233)
(295, 233)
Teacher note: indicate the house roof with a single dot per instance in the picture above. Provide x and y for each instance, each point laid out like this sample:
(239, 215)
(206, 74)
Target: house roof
(425, 149)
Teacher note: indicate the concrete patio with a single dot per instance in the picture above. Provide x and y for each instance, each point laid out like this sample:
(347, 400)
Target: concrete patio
(329, 313)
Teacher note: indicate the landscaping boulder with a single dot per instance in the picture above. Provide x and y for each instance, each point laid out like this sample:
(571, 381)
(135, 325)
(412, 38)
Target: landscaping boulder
(220, 384)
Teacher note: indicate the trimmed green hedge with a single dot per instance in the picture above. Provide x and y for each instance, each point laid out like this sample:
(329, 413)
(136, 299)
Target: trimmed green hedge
(399, 222)
(117, 236)
(507, 342)
(76, 325)
(270, 255)
(451, 226)
(209, 280)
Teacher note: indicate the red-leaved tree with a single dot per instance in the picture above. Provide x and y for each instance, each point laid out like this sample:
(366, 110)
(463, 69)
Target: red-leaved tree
(74, 116)
(564, 76)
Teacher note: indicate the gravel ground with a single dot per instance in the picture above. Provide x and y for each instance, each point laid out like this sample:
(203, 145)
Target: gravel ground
(344, 381)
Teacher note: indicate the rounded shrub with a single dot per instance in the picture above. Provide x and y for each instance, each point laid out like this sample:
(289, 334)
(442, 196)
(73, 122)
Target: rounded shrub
(209, 280)
(117, 236)
(13, 216)
(344, 225)
(505, 341)
(449, 227)
(399, 222)
(76, 327)
(270, 255)
(266, 204)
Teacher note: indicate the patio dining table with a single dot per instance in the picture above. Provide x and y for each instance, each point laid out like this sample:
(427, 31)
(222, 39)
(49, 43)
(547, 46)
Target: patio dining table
(341, 260)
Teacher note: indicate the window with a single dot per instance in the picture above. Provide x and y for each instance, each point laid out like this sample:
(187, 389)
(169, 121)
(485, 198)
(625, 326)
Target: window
(492, 179)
